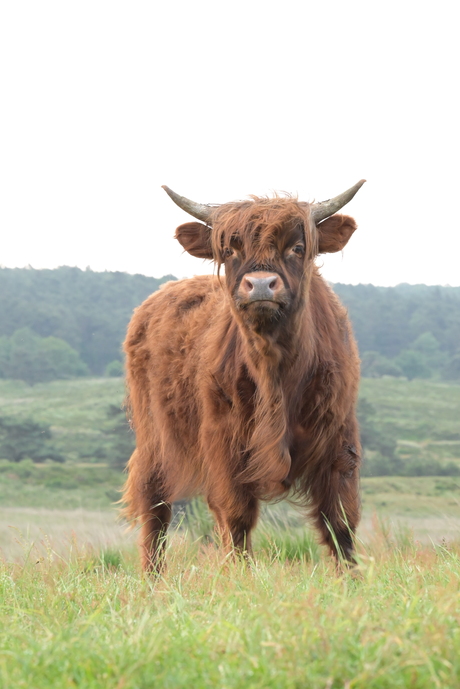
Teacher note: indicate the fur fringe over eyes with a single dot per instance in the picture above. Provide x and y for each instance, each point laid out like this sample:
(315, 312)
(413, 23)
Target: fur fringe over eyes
(258, 223)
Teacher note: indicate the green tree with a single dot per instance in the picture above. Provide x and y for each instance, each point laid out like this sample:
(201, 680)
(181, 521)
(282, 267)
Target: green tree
(27, 356)
(430, 349)
(57, 359)
(115, 369)
(375, 365)
(23, 360)
(412, 364)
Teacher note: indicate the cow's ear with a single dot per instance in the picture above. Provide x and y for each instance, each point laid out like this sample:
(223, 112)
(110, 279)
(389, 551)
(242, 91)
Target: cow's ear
(334, 233)
(196, 239)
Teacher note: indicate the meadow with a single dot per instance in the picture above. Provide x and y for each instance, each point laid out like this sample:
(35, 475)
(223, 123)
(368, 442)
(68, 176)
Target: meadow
(421, 415)
(91, 620)
(75, 610)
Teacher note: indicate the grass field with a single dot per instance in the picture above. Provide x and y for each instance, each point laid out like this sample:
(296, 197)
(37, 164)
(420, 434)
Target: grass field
(75, 611)
(91, 620)
(423, 416)
(419, 507)
(76, 410)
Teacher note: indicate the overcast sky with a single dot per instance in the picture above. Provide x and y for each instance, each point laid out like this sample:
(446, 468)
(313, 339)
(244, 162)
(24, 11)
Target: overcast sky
(103, 102)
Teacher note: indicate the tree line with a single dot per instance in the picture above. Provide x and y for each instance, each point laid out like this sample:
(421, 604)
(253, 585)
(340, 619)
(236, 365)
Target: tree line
(68, 322)
(408, 330)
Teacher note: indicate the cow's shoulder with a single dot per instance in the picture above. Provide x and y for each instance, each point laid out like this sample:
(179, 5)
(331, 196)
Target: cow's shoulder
(177, 297)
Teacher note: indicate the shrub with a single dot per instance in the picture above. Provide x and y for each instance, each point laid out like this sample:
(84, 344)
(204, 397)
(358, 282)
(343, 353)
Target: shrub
(115, 369)
(21, 439)
(413, 365)
(375, 365)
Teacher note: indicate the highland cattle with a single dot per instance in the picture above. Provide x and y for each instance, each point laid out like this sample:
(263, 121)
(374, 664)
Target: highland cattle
(243, 387)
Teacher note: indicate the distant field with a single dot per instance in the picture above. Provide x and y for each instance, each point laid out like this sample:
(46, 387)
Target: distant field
(75, 409)
(68, 405)
(422, 415)
(79, 496)
(418, 409)
(32, 514)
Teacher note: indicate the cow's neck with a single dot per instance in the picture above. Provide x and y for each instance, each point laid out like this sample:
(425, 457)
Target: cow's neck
(272, 362)
(272, 355)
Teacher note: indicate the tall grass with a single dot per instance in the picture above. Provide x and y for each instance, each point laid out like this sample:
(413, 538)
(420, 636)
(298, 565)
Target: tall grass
(91, 619)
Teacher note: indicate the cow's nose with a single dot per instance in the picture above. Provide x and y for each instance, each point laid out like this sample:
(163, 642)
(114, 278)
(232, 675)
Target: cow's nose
(265, 287)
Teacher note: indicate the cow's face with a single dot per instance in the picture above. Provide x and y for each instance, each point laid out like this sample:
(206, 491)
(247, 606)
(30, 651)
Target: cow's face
(266, 269)
(267, 247)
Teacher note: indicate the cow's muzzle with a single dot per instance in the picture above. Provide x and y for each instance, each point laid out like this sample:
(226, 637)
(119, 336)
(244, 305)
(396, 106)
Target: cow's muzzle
(261, 287)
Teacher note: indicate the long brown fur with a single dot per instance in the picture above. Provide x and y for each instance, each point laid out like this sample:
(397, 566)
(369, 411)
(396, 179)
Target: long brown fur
(237, 405)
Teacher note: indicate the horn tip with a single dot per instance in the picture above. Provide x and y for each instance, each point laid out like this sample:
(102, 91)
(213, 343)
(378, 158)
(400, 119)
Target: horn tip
(169, 191)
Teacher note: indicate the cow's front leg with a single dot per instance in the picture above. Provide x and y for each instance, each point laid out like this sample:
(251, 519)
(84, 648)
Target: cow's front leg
(154, 518)
(236, 514)
(335, 504)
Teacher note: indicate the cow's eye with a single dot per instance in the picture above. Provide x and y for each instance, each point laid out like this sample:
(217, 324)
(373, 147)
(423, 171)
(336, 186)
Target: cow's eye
(298, 249)
(228, 252)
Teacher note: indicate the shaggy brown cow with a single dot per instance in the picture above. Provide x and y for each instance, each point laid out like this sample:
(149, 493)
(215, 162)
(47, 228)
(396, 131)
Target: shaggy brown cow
(244, 388)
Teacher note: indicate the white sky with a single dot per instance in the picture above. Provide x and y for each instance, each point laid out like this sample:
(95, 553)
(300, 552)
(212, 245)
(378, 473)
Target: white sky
(103, 102)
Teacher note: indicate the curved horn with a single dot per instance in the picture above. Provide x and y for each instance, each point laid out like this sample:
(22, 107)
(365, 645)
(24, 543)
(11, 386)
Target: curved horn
(320, 211)
(198, 210)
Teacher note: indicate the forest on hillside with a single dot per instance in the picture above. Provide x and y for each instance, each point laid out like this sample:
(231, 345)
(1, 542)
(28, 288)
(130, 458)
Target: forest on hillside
(67, 322)
(70, 323)
(408, 330)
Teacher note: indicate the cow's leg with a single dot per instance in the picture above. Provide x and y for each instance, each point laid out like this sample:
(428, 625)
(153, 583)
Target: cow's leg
(154, 519)
(236, 515)
(223, 533)
(147, 504)
(336, 505)
(240, 526)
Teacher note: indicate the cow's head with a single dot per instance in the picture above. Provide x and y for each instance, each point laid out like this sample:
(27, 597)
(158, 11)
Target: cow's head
(268, 247)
